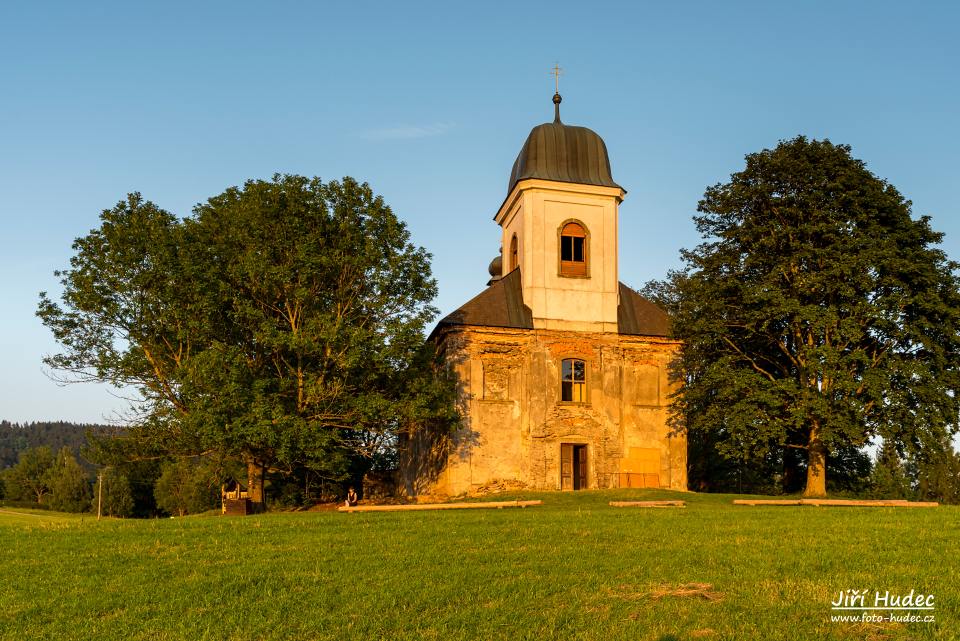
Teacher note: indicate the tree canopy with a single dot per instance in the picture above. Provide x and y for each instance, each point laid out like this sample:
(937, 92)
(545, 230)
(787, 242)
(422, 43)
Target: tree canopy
(816, 315)
(16, 437)
(69, 484)
(29, 479)
(282, 324)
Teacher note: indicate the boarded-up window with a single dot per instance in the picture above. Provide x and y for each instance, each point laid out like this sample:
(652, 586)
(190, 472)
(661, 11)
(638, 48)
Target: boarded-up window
(640, 468)
(646, 384)
(573, 250)
(496, 381)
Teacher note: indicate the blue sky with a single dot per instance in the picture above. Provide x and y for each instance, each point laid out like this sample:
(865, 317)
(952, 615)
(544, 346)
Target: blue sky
(430, 103)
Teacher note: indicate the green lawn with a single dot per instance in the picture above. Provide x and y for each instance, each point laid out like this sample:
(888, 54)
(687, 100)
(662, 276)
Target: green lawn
(572, 569)
(11, 515)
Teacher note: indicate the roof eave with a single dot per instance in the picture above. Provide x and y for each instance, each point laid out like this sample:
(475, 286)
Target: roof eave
(555, 185)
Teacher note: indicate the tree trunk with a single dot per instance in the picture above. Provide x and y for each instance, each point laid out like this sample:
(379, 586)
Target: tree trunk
(255, 485)
(816, 465)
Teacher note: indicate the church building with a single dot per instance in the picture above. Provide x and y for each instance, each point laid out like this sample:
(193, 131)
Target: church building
(562, 369)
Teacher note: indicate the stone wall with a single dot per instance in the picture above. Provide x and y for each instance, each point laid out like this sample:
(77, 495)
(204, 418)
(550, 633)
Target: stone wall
(514, 421)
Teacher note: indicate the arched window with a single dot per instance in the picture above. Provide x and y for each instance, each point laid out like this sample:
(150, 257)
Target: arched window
(573, 250)
(514, 253)
(573, 381)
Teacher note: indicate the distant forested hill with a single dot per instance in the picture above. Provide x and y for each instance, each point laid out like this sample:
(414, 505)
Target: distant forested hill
(14, 437)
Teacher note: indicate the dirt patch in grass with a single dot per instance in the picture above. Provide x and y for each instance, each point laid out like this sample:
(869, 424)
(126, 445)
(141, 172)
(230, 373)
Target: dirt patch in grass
(695, 590)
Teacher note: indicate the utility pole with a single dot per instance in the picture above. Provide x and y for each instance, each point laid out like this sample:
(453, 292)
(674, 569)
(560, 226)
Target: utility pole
(99, 493)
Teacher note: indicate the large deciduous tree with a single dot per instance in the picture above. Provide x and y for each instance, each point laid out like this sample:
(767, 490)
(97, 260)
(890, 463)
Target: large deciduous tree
(29, 479)
(281, 324)
(817, 314)
(69, 484)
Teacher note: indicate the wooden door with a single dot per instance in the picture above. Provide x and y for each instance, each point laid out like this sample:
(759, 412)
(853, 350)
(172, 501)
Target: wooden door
(566, 466)
(580, 467)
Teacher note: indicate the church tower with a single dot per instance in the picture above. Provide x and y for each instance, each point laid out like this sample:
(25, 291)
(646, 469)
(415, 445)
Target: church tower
(559, 228)
(562, 370)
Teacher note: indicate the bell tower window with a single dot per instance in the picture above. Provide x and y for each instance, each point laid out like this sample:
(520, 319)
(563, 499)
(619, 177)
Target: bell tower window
(514, 251)
(573, 250)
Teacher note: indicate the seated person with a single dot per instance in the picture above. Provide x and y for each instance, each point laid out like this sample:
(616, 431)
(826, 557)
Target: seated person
(351, 497)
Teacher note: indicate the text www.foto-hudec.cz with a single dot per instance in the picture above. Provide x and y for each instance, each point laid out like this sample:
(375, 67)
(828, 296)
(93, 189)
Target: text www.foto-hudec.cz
(876, 606)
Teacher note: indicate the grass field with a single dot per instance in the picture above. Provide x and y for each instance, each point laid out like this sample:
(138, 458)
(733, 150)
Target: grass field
(572, 569)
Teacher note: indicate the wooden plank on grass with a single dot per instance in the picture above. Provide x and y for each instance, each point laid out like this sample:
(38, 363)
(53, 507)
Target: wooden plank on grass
(439, 506)
(648, 503)
(856, 503)
(836, 502)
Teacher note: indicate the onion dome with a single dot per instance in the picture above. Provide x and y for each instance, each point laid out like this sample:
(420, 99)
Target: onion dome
(555, 151)
(496, 269)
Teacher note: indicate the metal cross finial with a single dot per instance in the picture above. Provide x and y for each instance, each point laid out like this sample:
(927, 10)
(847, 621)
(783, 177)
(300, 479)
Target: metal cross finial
(556, 72)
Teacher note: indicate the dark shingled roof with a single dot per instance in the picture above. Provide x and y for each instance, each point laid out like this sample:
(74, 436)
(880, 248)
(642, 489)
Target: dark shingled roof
(555, 151)
(638, 316)
(501, 305)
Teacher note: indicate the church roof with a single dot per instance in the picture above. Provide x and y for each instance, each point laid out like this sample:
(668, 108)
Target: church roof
(501, 305)
(555, 151)
(638, 316)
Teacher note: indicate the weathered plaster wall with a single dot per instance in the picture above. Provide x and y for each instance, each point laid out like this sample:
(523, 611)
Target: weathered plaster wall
(515, 422)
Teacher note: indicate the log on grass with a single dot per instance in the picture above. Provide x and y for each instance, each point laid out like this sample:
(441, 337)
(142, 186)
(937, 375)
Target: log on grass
(438, 506)
(867, 503)
(836, 502)
(648, 503)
